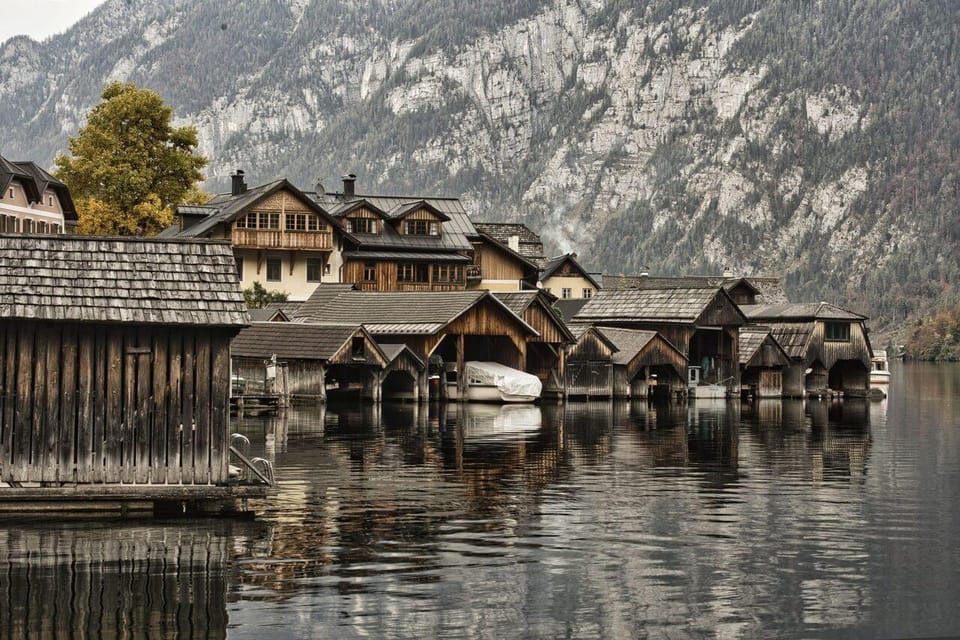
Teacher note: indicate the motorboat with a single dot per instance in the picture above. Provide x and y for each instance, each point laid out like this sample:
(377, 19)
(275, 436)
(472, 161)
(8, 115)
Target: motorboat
(493, 382)
(880, 372)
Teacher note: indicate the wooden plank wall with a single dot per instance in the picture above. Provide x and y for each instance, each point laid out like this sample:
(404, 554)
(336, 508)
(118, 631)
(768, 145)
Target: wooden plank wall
(386, 279)
(113, 583)
(113, 404)
(497, 265)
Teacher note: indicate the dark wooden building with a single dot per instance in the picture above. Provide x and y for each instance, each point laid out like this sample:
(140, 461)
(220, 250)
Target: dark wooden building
(828, 346)
(305, 362)
(762, 362)
(702, 323)
(623, 363)
(115, 369)
(451, 327)
(545, 351)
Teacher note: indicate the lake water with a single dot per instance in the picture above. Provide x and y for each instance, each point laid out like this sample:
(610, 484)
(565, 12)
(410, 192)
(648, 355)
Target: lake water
(727, 520)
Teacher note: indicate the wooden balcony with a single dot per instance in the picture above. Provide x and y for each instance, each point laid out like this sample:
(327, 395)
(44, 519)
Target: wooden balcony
(472, 272)
(280, 239)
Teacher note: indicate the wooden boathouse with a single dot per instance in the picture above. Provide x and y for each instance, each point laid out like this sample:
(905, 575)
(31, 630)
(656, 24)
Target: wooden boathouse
(115, 374)
(545, 351)
(702, 323)
(828, 346)
(607, 362)
(762, 362)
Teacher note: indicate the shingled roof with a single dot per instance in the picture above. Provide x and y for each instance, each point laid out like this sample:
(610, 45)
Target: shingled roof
(291, 340)
(798, 312)
(684, 306)
(550, 267)
(629, 342)
(411, 312)
(792, 337)
(35, 180)
(98, 279)
(529, 244)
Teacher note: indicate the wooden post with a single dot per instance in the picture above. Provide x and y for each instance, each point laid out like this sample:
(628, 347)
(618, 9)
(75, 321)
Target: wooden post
(461, 365)
(323, 383)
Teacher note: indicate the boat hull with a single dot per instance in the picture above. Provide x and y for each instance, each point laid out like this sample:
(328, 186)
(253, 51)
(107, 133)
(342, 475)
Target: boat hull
(485, 393)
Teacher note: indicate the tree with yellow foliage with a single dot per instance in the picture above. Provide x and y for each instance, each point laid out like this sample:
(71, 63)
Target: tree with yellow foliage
(128, 167)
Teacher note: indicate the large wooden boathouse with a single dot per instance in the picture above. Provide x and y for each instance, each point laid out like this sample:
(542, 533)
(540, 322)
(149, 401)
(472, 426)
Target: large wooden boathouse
(115, 374)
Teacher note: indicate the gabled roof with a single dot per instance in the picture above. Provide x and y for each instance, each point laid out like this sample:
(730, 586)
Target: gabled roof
(676, 282)
(529, 244)
(227, 207)
(114, 280)
(413, 312)
(296, 341)
(570, 307)
(36, 181)
(402, 210)
(268, 315)
(628, 342)
(493, 242)
(343, 208)
(675, 306)
(752, 338)
(793, 337)
(798, 312)
(456, 234)
(551, 265)
(394, 351)
(520, 301)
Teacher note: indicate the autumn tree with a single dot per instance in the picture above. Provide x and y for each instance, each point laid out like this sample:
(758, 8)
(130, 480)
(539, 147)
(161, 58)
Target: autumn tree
(128, 167)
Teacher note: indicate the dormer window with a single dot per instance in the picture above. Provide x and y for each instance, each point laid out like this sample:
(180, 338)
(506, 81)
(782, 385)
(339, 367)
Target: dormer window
(421, 228)
(361, 225)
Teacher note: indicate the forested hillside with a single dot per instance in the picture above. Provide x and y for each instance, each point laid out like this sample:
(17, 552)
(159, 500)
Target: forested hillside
(813, 140)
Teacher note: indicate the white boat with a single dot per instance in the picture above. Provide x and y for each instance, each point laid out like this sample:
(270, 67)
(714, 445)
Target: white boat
(494, 382)
(880, 374)
(489, 423)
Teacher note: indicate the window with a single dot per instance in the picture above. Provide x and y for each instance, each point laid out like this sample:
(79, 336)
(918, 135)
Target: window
(50, 200)
(42, 227)
(259, 220)
(361, 225)
(314, 269)
(28, 225)
(567, 293)
(413, 272)
(369, 271)
(273, 269)
(421, 228)
(588, 293)
(838, 331)
(452, 273)
(358, 348)
(326, 268)
(239, 262)
(11, 192)
(55, 228)
(295, 222)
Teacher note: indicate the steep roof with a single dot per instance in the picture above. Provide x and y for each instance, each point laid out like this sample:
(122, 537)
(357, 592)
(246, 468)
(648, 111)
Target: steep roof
(413, 312)
(35, 181)
(752, 338)
(101, 279)
(798, 312)
(529, 244)
(268, 315)
(551, 266)
(628, 342)
(792, 337)
(520, 301)
(456, 234)
(683, 306)
(393, 351)
(293, 340)
(227, 207)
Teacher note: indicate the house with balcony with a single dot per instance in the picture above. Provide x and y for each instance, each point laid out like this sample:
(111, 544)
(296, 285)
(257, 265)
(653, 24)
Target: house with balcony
(281, 237)
(33, 201)
(402, 243)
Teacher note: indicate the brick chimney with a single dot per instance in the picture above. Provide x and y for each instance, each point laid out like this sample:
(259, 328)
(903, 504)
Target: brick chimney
(237, 185)
(348, 185)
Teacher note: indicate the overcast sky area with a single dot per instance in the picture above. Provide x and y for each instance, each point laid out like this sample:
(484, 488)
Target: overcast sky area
(41, 18)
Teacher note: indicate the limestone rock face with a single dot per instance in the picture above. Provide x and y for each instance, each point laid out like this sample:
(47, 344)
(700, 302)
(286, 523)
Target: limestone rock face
(665, 135)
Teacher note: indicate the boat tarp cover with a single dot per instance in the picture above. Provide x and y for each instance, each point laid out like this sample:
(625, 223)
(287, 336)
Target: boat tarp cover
(506, 379)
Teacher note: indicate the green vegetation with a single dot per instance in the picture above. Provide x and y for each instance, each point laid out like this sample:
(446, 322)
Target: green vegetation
(257, 297)
(936, 339)
(129, 167)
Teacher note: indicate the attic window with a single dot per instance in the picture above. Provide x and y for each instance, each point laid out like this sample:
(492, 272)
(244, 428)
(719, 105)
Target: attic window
(50, 201)
(361, 225)
(838, 331)
(421, 228)
(11, 192)
(358, 348)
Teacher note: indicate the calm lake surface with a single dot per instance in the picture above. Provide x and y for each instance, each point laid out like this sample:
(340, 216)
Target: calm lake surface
(713, 519)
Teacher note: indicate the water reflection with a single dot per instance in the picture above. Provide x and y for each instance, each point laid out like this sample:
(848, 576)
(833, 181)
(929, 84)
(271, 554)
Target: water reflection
(601, 519)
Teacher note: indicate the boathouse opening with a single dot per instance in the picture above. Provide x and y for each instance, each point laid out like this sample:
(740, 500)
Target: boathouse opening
(849, 376)
(712, 349)
(399, 385)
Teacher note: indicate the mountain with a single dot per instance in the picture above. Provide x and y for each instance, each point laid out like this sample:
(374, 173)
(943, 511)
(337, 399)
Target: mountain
(813, 140)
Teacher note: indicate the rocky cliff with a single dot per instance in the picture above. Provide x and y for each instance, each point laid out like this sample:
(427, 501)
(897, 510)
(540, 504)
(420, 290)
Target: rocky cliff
(818, 141)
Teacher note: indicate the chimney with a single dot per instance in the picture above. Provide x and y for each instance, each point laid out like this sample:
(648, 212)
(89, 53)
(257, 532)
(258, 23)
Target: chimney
(348, 185)
(727, 272)
(514, 243)
(237, 185)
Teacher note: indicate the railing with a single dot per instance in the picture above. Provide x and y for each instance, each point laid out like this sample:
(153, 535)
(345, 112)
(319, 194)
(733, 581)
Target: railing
(280, 239)
(472, 271)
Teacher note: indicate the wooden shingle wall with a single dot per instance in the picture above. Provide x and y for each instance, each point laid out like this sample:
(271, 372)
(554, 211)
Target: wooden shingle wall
(84, 403)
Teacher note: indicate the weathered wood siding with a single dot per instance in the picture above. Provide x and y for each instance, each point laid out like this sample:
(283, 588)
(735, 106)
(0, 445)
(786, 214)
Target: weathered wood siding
(589, 369)
(547, 325)
(386, 278)
(497, 265)
(83, 403)
(830, 351)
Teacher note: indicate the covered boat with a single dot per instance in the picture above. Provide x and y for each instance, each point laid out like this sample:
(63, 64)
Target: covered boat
(494, 382)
